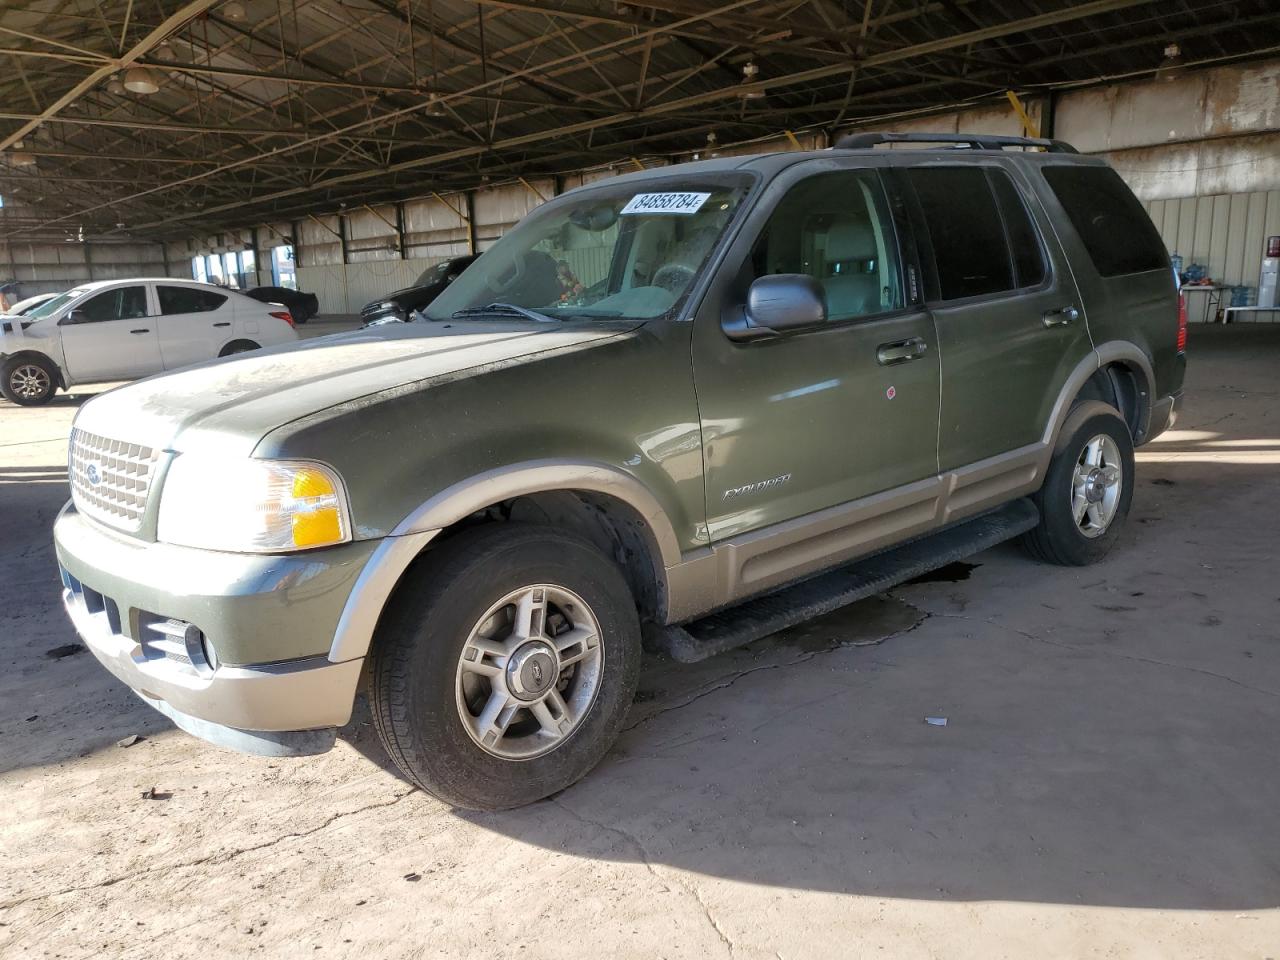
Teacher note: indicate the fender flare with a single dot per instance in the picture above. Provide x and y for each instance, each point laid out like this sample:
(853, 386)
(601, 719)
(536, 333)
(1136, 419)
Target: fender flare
(381, 574)
(1113, 351)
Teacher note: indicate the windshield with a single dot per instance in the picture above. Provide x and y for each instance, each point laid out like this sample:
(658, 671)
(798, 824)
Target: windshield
(432, 274)
(629, 251)
(51, 307)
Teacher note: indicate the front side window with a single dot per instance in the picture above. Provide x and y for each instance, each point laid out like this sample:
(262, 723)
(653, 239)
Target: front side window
(836, 228)
(629, 251)
(1112, 225)
(188, 300)
(122, 303)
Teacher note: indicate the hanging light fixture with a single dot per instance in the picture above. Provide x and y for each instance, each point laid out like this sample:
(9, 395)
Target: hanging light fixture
(1172, 66)
(434, 107)
(712, 143)
(19, 157)
(749, 74)
(115, 87)
(140, 80)
(166, 53)
(234, 11)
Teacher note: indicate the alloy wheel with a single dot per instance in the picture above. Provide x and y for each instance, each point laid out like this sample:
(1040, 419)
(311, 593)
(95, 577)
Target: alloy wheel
(1096, 486)
(29, 381)
(529, 672)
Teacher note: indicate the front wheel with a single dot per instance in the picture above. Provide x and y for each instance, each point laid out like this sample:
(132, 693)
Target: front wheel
(28, 381)
(1087, 488)
(505, 666)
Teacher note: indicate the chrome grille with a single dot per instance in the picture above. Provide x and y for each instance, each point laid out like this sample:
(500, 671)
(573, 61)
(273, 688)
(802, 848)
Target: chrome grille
(123, 478)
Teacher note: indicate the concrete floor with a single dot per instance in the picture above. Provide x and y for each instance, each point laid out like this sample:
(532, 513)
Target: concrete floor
(1107, 784)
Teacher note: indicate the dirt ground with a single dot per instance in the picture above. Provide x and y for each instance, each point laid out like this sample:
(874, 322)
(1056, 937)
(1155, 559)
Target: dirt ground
(1107, 783)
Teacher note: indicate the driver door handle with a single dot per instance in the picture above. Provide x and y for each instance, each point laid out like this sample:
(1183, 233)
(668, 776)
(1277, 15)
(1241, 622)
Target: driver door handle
(1063, 315)
(901, 351)
(143, 330)
(224, 323)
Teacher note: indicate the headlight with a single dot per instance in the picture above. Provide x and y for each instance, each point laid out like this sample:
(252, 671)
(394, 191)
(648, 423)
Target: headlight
(252, 506)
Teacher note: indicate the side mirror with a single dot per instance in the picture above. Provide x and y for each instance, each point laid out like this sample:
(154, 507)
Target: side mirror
(776, 305)
(77, 316)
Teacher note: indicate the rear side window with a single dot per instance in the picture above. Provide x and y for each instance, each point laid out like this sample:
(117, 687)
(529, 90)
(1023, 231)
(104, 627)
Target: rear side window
(1115, 230)
(965, 230)
(188, 300)
(1024, 242)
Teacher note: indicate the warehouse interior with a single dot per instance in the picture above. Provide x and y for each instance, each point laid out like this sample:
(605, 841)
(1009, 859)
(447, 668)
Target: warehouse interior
(344, 147)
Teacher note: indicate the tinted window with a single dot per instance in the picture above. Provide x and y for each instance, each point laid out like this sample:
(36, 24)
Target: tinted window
(1115, 230)
(1024, 242)
(122, 303)
(836, 228)
(188, 300)
(964, 226)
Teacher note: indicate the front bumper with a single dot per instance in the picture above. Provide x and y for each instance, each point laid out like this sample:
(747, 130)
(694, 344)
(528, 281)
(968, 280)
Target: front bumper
(270, 622)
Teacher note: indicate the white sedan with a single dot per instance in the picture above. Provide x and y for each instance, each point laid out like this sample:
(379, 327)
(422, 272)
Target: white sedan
(124, 329)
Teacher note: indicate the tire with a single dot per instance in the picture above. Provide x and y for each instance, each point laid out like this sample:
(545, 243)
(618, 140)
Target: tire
(422, 687)
(1083, 503)
(28, 381)
(238, 346)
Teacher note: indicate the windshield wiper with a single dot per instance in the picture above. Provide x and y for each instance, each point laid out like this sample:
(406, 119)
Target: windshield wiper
(502, 310)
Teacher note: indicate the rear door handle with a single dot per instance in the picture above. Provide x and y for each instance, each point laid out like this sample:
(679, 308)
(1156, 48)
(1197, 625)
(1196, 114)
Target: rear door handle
(143, 330)
(224, 323)
(1056, 318)
(901, 351)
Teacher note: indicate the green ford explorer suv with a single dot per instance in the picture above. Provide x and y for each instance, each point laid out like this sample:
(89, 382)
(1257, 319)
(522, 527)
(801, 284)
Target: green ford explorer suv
(682, 408)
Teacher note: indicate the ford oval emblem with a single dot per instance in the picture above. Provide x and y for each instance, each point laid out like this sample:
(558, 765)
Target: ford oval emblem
(93, 473)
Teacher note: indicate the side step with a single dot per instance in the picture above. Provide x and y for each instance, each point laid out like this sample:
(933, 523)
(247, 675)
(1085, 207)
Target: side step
(829, 591)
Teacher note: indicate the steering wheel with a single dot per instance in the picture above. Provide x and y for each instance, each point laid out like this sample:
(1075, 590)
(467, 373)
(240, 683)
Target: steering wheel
(673, 277)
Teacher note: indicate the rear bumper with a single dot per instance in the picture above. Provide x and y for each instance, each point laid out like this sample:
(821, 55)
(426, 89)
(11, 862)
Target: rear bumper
(131, 602)
(1164, 414)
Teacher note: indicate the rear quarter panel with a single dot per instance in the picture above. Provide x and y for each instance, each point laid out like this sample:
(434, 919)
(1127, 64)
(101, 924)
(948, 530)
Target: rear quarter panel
(1136, 308)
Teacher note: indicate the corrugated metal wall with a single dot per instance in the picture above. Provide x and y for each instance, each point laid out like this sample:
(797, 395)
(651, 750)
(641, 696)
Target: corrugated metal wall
(1224, 233)
(54, 267)
(345, 289)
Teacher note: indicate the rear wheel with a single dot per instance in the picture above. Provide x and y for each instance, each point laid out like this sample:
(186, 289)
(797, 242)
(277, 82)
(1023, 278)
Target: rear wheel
(505, 667)
(1087, 489)
(238, 346)
(28, 381)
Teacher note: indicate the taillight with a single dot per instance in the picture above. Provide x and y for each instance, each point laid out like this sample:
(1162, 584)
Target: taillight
(1182, 323)
(287, 317)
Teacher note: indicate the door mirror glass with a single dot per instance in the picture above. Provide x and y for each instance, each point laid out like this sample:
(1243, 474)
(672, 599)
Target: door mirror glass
(779, 304)
(78, 315)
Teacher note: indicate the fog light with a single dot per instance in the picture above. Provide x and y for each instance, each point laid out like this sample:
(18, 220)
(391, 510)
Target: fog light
(210, 654)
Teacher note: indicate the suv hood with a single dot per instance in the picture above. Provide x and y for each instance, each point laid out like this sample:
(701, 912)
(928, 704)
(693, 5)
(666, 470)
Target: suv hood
(226, 406)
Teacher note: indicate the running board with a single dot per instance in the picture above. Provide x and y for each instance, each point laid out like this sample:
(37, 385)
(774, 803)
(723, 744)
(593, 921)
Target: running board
(754, 619)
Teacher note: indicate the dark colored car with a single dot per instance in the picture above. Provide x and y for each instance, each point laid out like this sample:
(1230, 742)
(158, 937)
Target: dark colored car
(397, 307)
(303, 306)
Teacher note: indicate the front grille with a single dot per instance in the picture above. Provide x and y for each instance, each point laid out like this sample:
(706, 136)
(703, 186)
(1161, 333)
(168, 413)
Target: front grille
(110, 479)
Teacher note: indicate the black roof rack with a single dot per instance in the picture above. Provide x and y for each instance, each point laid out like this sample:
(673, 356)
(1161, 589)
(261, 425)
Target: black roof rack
(969, 141)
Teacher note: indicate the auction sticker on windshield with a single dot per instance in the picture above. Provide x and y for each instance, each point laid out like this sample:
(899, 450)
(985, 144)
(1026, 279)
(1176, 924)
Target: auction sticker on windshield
(666, 203)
